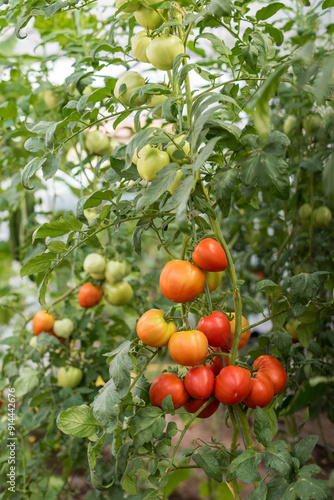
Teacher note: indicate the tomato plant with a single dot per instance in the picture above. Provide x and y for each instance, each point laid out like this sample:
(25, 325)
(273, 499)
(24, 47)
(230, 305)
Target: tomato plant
(199, 382)
(217, 328)
(188, 348)
(89, 295)
(168, 384)
(232, 385)
(69, 376)
(42, 322)
(261, 391)
(271, 367)
(210, 256)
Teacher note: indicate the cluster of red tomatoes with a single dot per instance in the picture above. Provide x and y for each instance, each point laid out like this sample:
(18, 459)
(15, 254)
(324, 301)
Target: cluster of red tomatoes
(203, 349)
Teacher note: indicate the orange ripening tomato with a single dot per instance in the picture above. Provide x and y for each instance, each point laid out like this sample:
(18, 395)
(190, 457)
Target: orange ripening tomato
(168, 384)
(232, 385)
(273, 369)
(153, 329)
(209, 255)
(188, 348)
(193, 405)
(89, 295)
(181, 281)
(261, 392)
(43, 322)
(216, 364)
(244, 337)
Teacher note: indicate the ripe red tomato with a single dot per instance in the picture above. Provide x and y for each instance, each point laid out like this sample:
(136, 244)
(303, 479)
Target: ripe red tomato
(181, 281)
(43, 322)
(153, 329)
(209, 255)
(260, 275)
(199, 382)
(261, 392)
(194, 404)
(244, 337)
(216, 363)
(188, 348)
(232, 385)
(165, 384)
(216, 327)
(273, 369)
(89, 295)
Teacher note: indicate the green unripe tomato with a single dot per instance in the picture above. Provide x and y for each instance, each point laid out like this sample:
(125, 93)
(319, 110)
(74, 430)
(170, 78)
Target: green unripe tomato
(34, 343)
(171, 148)
(154, 100)
(149, 18)
(150, 162)
(136, 154)
(163, 50)
(312, 123)
(95, 265)
(50, 99)
(63, 328)
(133, 81)
(177, 181)
(116, 271)
(305, 212)
(289, 123)
(139, 44)
(130, 9)
(69, 376)
(98, 143)
(118, 294)
(291, 327)
(322, 216)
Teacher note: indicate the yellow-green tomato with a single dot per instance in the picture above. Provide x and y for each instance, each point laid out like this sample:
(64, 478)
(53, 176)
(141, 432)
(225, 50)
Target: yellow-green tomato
(136, 154)
(154, 100)
(34, 343)
(149, 18)
(98, 143)
(95, 265)
(163, 50)
(305, 212)
(139, 44)
(312, 123)
(118, 294)
(172, 148)
(50, 99)
(116, 271)
(69, 376)
(133, 81)
(177, 181)
(322, 216)
(291, 327)
(213, 279)
(128, 9)
(63, 328)
(150, 162)
(289, 123)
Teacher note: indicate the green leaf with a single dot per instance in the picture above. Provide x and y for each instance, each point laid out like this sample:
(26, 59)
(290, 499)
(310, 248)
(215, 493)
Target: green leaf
(223, 186)
(129, 484)
(260, 493)
(269, 287)
(315, 489)
(266, 171)
(327, 4)
(159, 186)
(120, 368)
(262, 429)
(58, 227)
(37, 264)
(106, 406)
(303, 448)
(328, 179)
(180, 200)
(78, 421)
(244, 467)
(305, 395)
(175, 478)
(304, 287)
(272, 420)
(283, 342)
(148, 423)
(252, 303)
(29, 170)
(278, 458)
(27, 381)
(269, 11)
(276, 488)
(93, 453)
(205, 458)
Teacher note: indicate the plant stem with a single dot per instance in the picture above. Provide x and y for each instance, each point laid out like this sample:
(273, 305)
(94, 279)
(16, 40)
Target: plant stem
(233, 278)
(245, 426)
(267, 318)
